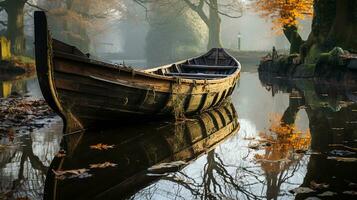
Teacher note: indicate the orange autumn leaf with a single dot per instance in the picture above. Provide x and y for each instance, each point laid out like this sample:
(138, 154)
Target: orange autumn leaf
(101, 146)
(102, 165)
(68, 172)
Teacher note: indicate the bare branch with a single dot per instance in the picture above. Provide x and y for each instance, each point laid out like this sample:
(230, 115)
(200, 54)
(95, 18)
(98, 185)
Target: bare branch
(198, 9)
(35, 6)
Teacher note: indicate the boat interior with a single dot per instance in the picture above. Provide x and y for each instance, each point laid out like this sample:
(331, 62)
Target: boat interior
(215, 64)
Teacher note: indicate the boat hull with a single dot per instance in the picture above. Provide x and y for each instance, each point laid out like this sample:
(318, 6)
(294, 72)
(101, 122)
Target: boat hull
(85, 92)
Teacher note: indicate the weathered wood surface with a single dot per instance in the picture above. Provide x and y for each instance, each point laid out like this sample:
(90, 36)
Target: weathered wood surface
(135, 153)
(86, 92)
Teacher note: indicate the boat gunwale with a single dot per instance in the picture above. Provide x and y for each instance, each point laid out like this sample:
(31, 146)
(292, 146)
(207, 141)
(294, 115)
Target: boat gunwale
(146, 72)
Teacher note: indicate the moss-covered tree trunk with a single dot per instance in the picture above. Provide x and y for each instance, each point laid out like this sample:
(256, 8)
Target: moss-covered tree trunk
(334, 25)
(15, 27)
(291, 33)
(214, 26)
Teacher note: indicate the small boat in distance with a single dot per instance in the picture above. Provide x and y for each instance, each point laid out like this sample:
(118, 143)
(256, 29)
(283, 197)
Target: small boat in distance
(86, 92)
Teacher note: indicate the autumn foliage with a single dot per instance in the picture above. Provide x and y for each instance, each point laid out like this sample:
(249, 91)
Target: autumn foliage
(284, 12)
(284, 140)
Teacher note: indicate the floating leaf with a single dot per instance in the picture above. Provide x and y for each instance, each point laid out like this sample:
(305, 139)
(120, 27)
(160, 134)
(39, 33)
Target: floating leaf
(301, 190)
(315, 185)
(167, 167)
(344, 146)
(354, 193)
(352, 185)
(102, 165)
(327, 194)
(249, 138)
(69, 172)
(342, 159)
(101, 146)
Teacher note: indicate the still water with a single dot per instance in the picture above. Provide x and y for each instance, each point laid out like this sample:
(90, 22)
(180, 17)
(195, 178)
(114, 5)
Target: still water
(278, 139)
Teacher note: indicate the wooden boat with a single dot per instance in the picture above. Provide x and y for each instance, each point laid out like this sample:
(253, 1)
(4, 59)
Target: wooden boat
(85, 92)
(135, 151)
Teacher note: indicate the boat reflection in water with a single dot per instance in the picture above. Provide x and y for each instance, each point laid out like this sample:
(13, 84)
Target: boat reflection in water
(134, 150)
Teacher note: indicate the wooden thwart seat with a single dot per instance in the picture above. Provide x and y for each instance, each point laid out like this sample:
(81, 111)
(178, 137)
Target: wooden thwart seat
(196, 75)
(210, 67)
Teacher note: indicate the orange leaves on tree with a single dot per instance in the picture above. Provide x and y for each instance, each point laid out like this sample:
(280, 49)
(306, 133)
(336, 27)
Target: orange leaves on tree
(284, 12)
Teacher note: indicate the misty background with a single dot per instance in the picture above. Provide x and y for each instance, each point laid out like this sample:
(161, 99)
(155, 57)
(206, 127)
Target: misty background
(149, 34)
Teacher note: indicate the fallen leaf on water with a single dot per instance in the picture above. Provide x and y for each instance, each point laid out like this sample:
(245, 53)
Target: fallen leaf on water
(301, 190)
(315, 185)
(352, 185)
(351, 122)
(102, 165)
(167, 167)
(69, 172)
(344, 146)
(350, 193)
(101, 146)
(249, 138)
(342, 159)
(327, 194)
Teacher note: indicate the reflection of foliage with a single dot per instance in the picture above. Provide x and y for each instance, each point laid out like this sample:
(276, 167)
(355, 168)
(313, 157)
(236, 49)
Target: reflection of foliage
(279, 157)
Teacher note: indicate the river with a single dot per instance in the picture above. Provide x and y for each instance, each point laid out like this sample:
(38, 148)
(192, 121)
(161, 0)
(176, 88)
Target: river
(280, 139)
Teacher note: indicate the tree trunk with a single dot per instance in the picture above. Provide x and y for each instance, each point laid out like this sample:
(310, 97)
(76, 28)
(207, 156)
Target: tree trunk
(334, 25)
(15, 27)
(214, 26)
(291, 33)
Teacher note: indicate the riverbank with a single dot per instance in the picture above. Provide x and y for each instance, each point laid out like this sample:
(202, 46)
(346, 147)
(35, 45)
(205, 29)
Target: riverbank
(335, 63)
